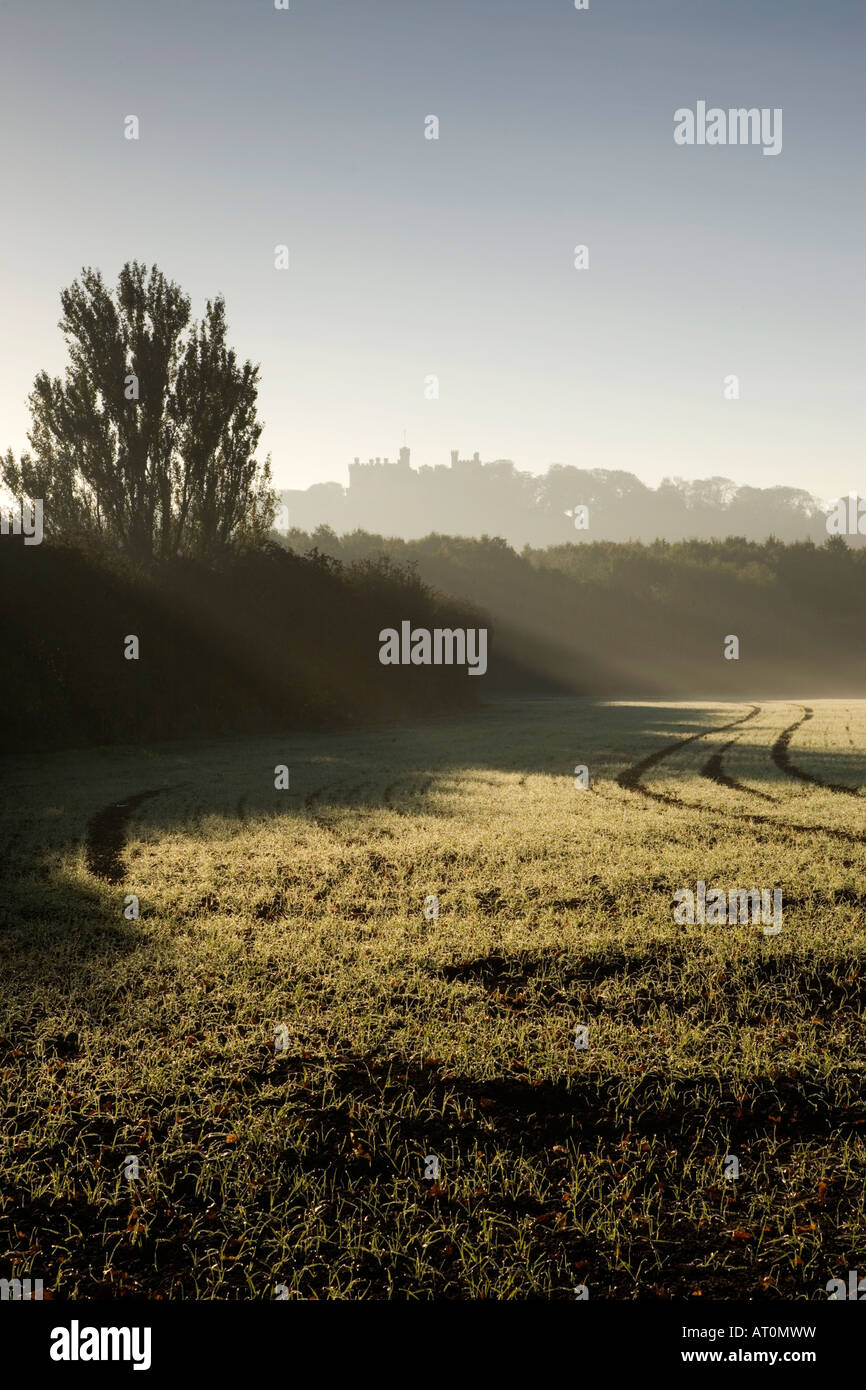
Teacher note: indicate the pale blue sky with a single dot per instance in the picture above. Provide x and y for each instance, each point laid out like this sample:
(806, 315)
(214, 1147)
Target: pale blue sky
(412, 257)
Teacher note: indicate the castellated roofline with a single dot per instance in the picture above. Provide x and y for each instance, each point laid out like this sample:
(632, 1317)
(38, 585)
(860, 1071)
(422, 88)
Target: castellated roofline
(457, 462)
(402, 463)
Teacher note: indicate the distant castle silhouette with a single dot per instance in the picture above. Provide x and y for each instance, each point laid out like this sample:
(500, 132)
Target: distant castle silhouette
(472, 498)
(395, 498)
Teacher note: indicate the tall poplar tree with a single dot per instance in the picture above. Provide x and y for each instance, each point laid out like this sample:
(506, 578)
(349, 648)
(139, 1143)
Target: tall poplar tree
(149, 442)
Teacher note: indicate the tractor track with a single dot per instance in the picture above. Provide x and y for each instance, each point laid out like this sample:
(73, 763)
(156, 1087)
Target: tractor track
(106, 835)
(312, 801)
(781, 757)
(753, 818)
(630, 780)
(713, 769)
(416, 791)
(351, 799)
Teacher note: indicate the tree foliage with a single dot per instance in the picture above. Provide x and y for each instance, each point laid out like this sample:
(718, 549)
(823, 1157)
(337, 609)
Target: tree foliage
(149, 442)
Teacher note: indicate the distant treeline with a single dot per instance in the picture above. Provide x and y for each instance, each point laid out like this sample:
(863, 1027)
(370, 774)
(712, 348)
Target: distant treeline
(287, 635)
(142, 468)
(630, 619)
(472, 498)
(266, 640)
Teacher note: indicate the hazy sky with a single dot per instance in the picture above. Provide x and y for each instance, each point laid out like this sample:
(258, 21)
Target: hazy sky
(412, 257)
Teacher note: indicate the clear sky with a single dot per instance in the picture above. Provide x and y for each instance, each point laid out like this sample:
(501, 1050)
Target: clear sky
(412, 257)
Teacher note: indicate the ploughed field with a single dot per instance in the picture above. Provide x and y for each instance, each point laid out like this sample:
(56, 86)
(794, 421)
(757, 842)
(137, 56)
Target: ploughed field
(287, 1034)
